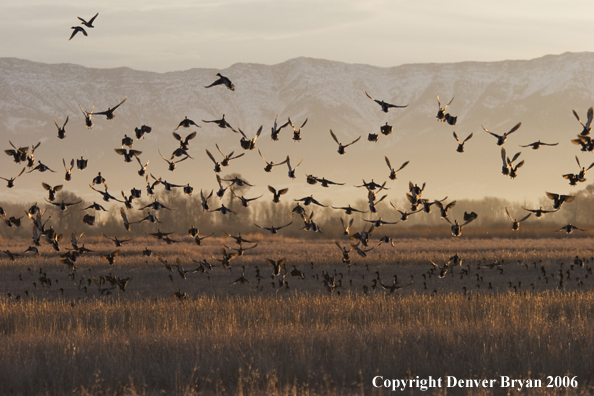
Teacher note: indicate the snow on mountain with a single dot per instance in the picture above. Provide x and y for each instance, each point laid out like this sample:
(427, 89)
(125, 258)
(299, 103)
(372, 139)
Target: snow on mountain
(540, 93)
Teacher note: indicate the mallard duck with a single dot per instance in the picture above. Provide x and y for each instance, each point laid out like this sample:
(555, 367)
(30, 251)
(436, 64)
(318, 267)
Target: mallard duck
(61, 130)
(248, 144)
(270, 165)
(186, 123)
(222, 123)
(106, 196)
(19, 154)
(41, 167)
(184, 143)
(224, 81)
(386, 129)
(570, 228)
(273, 229)
(536, 145)
(309, 200)
(379, 222)
(142, 170)
(559, 199)
(217, 166)
(348, 209)
(229, 157)
(345, 253)
(361, 252)
(297, 132)
(404, 215)
(76, 30)
(292, 170)
(501, 138)
(63, 205)
(223, 210)
(540, 212)
(460, 148)
(205, 199)
(393, 172)
(116, 241)
(443, 116)
(128, 154)
(12, 179)
(172, 164)
(276, 194)
(141, 131)
(51, 190)
(588, 126)
(81, 164)
(342, 147)
(88, 24)
(275, 130)
(95, 206)
(109, 113)
(68, 175)
(445, 208)
(385, 106)
(88, 120)
(245, 201)
(516, 223)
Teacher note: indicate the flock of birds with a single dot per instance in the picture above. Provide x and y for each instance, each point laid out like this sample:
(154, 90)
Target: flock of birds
(359, 242)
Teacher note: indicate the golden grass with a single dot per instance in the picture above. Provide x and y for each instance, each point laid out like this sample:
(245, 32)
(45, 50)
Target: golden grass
(291, 345)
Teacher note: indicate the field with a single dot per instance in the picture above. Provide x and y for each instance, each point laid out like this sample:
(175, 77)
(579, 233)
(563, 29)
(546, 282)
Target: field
(516, 307)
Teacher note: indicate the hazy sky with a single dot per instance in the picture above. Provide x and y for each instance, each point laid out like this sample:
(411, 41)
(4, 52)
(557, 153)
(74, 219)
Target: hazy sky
(181, 34)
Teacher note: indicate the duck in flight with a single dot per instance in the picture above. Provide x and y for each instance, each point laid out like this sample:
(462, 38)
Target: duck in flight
(341, 147)
(61, 130)
(385, 106)
(76, 30)
(222, 81)
(460, 148)
(443, 116)
(501, 138)
(516, 223)
(588, 125)
(222, 123)
(109, 113)
(394, 172)
(88, 24)
(536, 145)
(12, 179)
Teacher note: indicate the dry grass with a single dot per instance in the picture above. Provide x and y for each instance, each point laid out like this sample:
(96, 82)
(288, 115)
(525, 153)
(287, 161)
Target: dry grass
(291, 345)
(254, 339)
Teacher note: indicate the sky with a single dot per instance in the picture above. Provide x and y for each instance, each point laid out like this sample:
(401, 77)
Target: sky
(176, 35)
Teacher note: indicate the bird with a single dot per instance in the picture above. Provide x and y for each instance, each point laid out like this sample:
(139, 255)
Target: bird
(360, 252)
(292, 170)
(379, 222)
(276, 194)
(248, 144)
(309, 200)
(275, 130)
(184, 143)
(128, 154)
(570, 228)
(460, 148)
(348, 209)
(536, 145)
(342, 147)
(237, 181)
(76, 30)
(61, 130)
(540, 212)
(385, 106)
(12, 179)
(222, 123)
(109, 113)
(445, 208)
(559, 199)
(68, 175)
(270, 165)
(393, 172)
(443, 116)
(116, 241)
(172, 164)
(205, 199)
(346, 259)
(346, 227)
(19, 154)
(63, 205)
(186, 123)
(41, 167)
(106, 196)
(88, 116)
(88, 24)
(516, 223)
(227, 158)
(245, 201)
(139, 132)
(224, 81)
(502, 138)
(404, 215)
(579, 177)
(297, 132)
(223, 210)
(273, 229)
(81, 164)
(51, 190)
(588, 126)
(217, 167)
(142, 170)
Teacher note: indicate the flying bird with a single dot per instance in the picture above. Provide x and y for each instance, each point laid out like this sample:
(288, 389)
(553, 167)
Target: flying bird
(341, 147)
(224, 81)
(443, 116)
(76, 30)
(501, 138)
(61, 130)
(385, 106)
(109, 113)
(460, 148)
(88, 24)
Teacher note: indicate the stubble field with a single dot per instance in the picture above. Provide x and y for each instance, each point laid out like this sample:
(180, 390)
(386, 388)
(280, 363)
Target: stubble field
(529, 315)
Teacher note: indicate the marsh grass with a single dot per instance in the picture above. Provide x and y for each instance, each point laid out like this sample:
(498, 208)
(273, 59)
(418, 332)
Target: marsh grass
(290, 345)
(256, 339)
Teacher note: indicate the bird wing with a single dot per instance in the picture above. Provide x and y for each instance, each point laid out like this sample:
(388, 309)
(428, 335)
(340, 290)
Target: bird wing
(334, 137)
(515, 128)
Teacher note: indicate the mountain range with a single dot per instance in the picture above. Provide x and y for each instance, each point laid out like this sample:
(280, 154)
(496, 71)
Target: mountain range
(541, 93)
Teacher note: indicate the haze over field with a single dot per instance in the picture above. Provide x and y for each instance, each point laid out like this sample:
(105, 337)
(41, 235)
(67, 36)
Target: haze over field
(540, 93)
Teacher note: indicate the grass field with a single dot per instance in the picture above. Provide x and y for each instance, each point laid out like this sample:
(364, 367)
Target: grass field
(257, 338)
